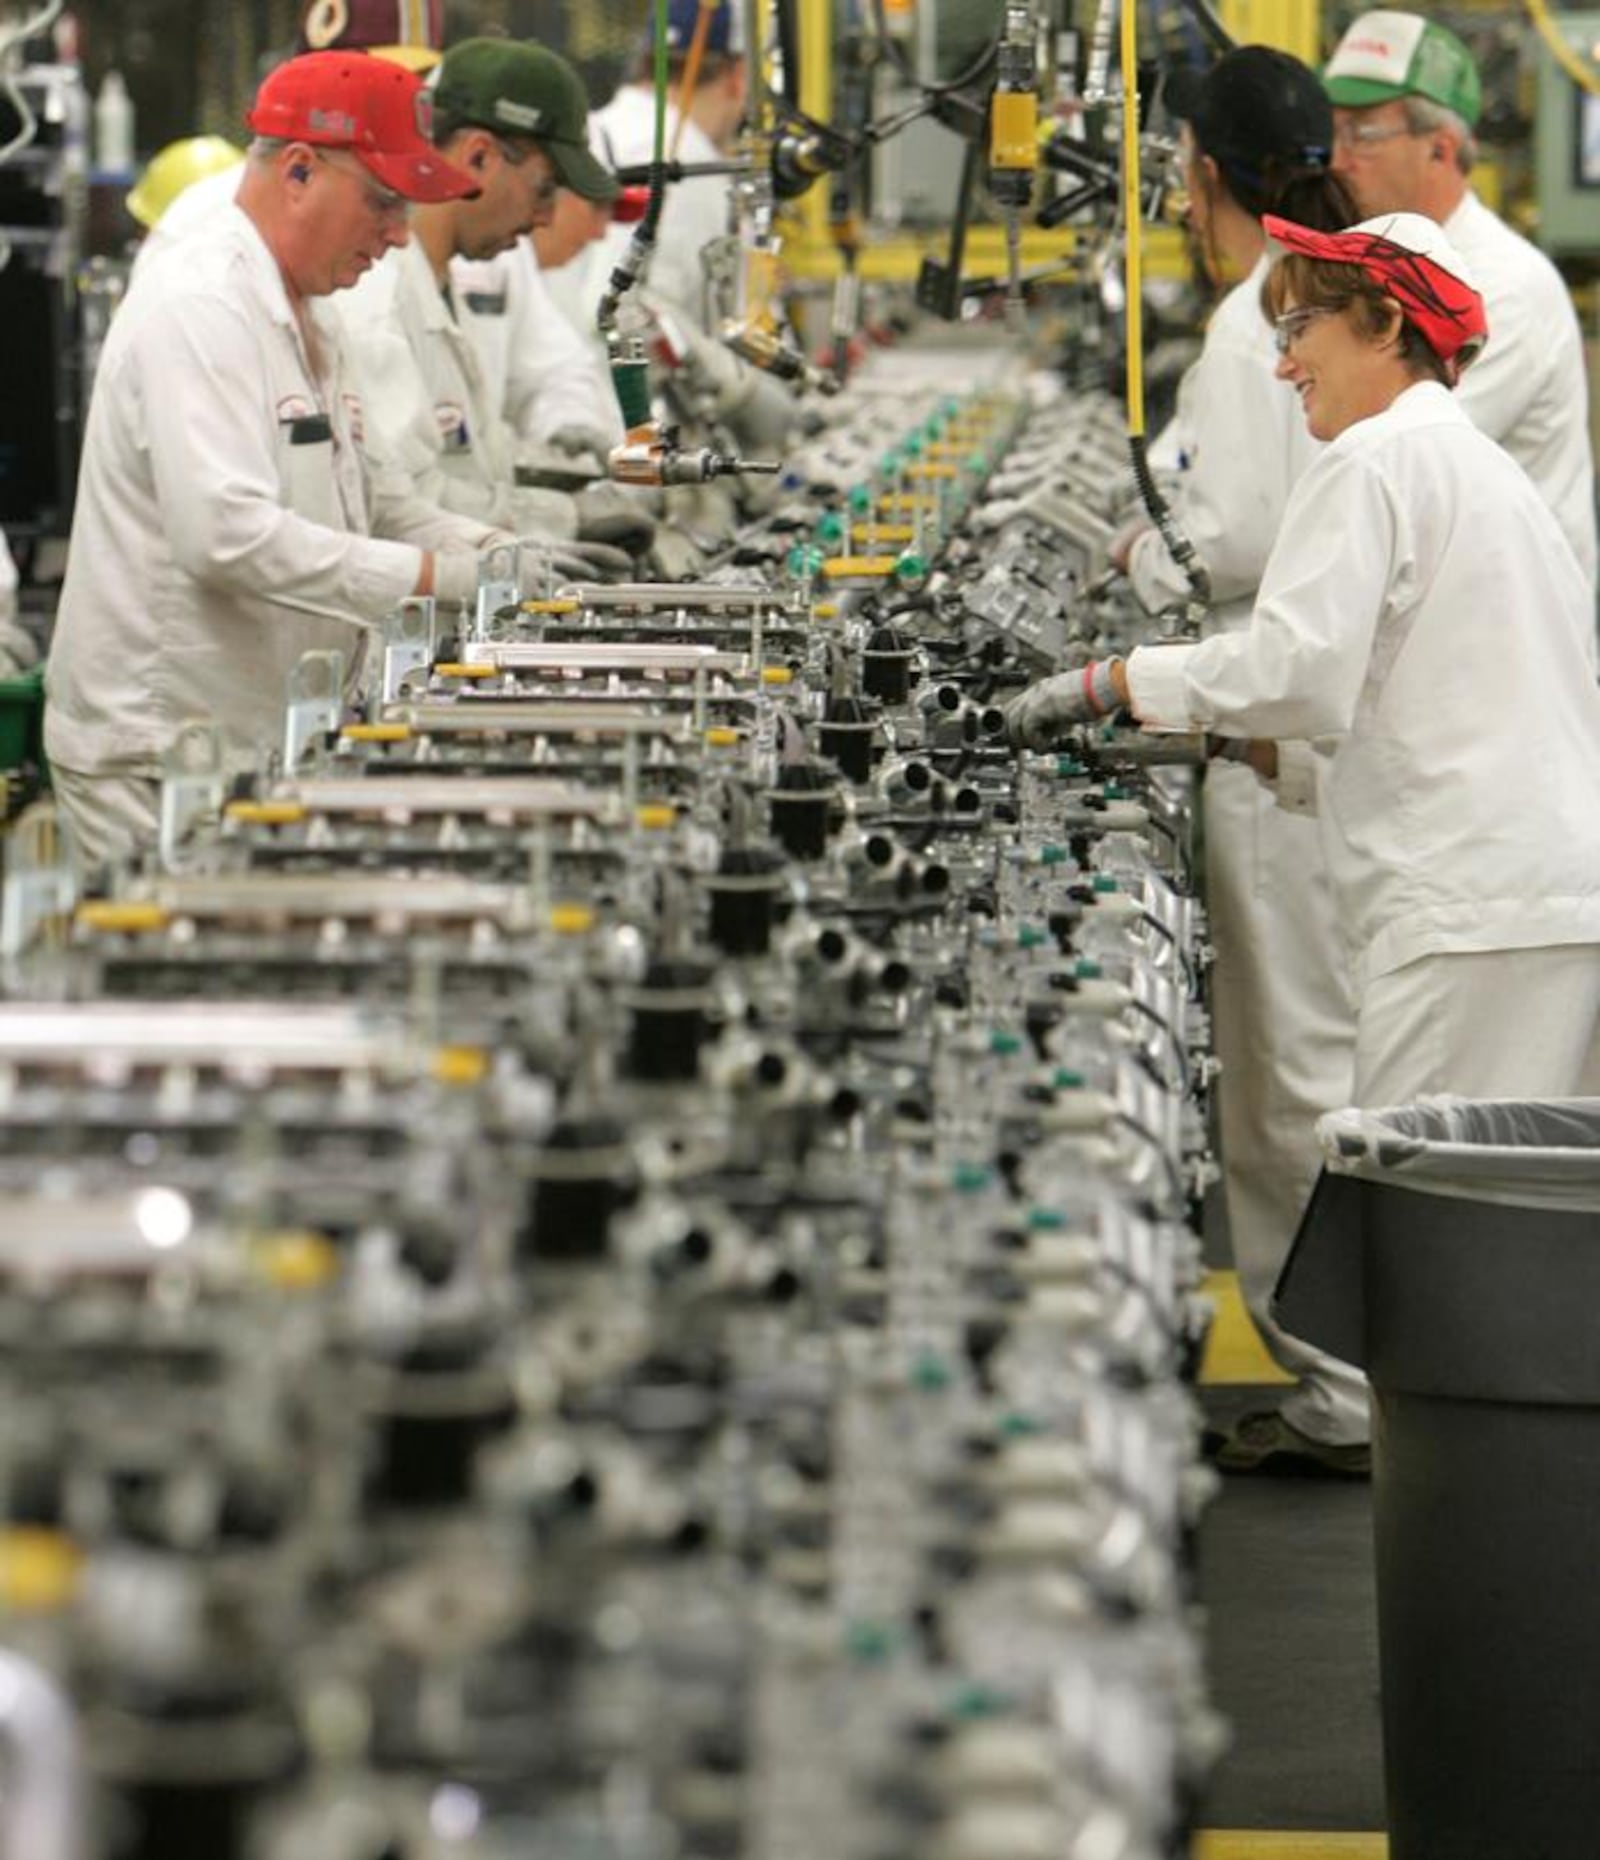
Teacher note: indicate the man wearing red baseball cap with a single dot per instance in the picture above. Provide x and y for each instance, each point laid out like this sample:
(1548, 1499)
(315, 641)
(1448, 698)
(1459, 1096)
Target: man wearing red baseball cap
(225, 523)
(1422, 622)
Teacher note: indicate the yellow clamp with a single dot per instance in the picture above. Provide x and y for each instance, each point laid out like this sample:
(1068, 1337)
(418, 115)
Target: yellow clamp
(297, 1261)
(550, 607)
(128, 916)
(776, 675)
(857, 567)
(571, 919)
(266, 813)
(39, 1570)
(376, 733)
(460, 1065)
(719, 736)
(656, 815)
(452, 669)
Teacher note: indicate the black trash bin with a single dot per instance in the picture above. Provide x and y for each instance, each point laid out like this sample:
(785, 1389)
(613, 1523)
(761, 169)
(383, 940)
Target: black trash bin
(1452, 1250)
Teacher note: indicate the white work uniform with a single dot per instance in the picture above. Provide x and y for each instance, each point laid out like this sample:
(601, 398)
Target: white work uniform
(429, 411)
(224, 521)
(198, 205)
(1282, 1014)
(17, 652)
(1529, 389)
(541, 373)
(694, 213)
(1423, 618)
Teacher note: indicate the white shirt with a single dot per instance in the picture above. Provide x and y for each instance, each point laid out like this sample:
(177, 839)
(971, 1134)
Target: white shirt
(221, 494)
(1529, 388)
(429, 410)
(694, 212)
(1422, 608)
(199, 204)
(1244, 445)
(542, 373)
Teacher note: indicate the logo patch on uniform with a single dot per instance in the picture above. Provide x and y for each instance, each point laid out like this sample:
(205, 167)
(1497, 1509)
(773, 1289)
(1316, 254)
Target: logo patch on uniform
(294, 407)
(452, 419)
(353, 413)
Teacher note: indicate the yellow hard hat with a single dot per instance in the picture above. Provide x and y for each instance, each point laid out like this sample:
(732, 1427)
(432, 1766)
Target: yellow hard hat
(179, 165)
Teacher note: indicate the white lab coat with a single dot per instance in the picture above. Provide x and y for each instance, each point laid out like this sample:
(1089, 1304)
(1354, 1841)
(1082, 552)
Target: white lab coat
(200, 203)
(212, 514)
(1422, 617)
(542, 374)
(429, 411)
(17, 650)
(1282, 1014)
(1529, 388)
(694, 213)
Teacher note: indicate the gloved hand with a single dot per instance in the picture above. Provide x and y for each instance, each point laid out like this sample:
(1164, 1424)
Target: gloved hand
(1123, 543)
(675, 556)
(529, 509)
(578, 441)
(455, 578)
(585, 561)
(1036, 718)
(610, 513)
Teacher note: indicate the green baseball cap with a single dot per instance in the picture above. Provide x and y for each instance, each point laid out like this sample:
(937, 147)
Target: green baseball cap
(1387, 55)
(518, 89)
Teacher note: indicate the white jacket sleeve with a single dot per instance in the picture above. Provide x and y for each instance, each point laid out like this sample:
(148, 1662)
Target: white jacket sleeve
(1230, 500)
(1297, 670)
(240, 535)
(554, 379)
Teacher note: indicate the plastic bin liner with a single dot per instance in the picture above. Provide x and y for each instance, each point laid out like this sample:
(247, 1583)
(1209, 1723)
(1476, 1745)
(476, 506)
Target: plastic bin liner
(1493, 1205)
(1519, 1152)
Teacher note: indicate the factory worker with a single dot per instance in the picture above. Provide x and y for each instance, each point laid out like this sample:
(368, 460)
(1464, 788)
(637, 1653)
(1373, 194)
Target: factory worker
(406, 32)
(704, 128)
(1258, 138)
(224, 523)
(1423, 620)
(1406, 98)
(491, 363)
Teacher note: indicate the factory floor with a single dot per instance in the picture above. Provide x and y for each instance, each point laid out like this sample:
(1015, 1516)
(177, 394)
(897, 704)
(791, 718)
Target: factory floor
(1287, 1580)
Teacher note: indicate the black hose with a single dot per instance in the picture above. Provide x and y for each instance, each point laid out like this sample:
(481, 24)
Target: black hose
(1178, 545)
(977, 69)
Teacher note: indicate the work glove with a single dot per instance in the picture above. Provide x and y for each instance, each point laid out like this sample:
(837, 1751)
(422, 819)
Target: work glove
(530, 510)
(675, 556)
(578, 442)
(610, 513)
(455, 578)
(1036, 718)
(584, 561)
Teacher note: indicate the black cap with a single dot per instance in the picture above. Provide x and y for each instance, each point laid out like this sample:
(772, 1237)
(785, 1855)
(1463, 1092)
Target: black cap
(1256, 108)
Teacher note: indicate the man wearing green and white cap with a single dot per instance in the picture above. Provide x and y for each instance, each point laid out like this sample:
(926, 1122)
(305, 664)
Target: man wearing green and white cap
(513, 116)
(1406, 100)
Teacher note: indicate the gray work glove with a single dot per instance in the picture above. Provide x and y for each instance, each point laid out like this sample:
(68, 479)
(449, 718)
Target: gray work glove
(586, 561)
(610, 513)
(675, 556)
(578, 442)
(530, 510)
(1036, 718)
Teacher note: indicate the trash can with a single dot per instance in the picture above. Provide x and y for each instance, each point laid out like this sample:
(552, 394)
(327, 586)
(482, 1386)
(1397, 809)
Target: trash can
(1452, 1250)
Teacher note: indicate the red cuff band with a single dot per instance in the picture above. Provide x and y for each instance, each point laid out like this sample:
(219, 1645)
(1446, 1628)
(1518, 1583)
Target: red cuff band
(1089, 697)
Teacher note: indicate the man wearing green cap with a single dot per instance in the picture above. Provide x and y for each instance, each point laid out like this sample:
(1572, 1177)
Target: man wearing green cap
(1406, 101)
(513, 116)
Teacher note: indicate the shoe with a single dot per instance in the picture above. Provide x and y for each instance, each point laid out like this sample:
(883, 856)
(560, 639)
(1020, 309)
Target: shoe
(1266, 1443)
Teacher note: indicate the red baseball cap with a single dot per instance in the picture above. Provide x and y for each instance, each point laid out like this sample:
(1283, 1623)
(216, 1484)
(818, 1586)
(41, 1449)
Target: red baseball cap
(1410, 257)
(379, 111)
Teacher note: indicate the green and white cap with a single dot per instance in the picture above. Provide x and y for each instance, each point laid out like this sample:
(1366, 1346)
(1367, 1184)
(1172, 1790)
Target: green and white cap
(1386, 55)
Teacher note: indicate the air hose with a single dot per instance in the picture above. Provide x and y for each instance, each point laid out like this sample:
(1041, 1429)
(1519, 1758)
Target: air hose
(1178, 545)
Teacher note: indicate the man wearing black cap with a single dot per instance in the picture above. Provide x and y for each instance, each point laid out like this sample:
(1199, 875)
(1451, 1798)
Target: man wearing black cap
(511, 115)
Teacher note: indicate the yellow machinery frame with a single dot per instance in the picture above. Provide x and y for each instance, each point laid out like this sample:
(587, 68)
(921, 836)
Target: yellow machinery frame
(809, 248)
